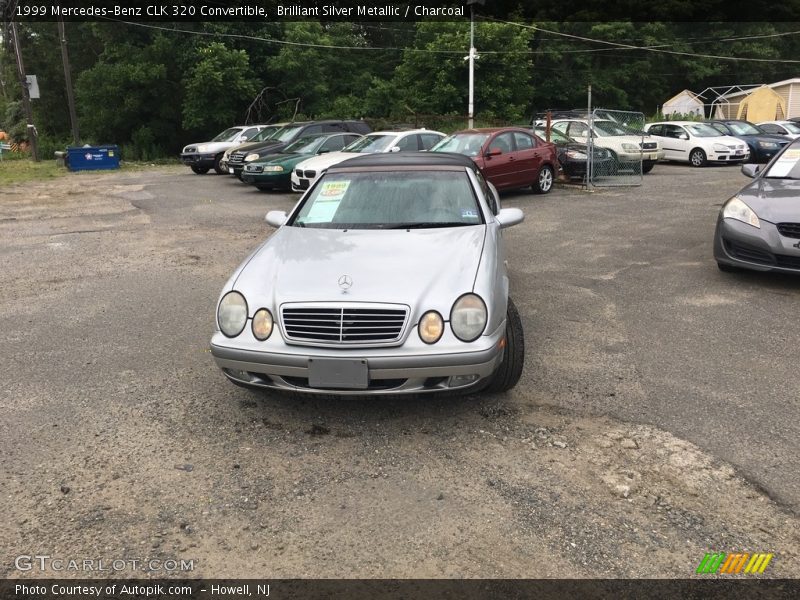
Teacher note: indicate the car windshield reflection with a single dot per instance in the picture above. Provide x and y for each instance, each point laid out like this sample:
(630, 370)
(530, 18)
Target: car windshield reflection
(405, 200)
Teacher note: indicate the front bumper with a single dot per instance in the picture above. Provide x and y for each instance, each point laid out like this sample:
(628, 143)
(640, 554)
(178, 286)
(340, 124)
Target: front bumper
(728, 157)
(740, 245)
(301, 184)
(198, 160)
(392, 370)
(267, 180)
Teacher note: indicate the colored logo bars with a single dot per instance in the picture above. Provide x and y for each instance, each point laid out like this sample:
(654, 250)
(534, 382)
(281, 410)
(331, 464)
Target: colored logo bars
(720, 562)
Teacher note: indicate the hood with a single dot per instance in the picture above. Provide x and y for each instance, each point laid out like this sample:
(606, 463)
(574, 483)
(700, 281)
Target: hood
(291, 158)
(424, 268)
(763, 137)
(208, 147)
(272, 145)
(325, 161)
(774, 200)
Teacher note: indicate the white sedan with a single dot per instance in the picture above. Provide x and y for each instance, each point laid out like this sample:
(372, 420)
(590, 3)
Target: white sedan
(413, 140)
(697, 143)
(788, 128)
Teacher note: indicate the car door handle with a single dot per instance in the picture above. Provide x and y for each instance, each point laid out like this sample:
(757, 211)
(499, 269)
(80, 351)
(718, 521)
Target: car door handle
(510, 158)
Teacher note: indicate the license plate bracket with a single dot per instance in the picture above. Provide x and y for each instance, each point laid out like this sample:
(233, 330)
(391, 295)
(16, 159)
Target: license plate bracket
(338, 373)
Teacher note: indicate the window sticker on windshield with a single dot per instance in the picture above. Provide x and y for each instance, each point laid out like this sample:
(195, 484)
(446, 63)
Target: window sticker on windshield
(784, 165)
(333, 190)
(468, 213)
(327, 201)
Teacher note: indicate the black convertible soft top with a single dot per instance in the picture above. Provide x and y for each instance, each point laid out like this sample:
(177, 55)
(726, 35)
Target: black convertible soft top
(408, 159)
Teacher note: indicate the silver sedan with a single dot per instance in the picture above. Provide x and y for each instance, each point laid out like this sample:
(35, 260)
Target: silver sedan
(387, 277)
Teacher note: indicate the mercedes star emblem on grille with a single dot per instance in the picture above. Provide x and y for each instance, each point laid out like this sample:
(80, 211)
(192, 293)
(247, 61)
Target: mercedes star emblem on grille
(345, 282)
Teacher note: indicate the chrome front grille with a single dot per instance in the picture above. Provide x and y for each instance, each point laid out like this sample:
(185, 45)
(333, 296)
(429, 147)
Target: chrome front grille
(237, 157)
(649, 145)
(331, 323)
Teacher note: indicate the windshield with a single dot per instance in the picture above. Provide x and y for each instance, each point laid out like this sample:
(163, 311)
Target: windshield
(786, 165)
(462, 143)
(370, 143)
(610, 128)
(744, 129)
(307, 144)
(702, 130)
(265, 133)
(286, 133)
(390, 200)
(228, 135)
(791, 127)
(555, 136)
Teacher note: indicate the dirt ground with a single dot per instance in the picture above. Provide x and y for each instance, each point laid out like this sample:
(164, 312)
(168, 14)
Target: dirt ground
(119, 438)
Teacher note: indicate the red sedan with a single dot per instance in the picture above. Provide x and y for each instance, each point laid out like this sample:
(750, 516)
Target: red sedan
(509, 157)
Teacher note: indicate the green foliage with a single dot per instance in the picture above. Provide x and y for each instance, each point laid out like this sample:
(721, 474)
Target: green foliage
(217, 88)
(153, 91)
(437, 83)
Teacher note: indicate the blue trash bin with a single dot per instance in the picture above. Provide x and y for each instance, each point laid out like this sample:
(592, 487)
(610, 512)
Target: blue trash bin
(92, 158)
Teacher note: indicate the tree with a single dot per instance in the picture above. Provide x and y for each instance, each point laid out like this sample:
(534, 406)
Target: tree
(434, 82)
(218, 88)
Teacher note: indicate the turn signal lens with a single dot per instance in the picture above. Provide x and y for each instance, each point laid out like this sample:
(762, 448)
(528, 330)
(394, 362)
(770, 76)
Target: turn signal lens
(431, 327)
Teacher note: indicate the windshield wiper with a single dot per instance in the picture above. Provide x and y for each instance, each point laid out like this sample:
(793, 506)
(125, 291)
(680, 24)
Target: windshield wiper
(429, 225)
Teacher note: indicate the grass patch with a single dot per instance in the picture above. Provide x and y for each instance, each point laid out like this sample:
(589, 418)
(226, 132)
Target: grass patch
(23, 170)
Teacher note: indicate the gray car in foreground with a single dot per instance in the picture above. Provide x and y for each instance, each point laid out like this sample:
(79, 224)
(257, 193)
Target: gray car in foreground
(759, 228)
(387, 277)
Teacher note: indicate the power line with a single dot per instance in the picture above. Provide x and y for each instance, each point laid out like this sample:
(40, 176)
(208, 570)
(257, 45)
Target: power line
(646, 48)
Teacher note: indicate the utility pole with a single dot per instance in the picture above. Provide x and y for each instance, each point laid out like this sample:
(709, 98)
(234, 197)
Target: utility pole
(472, 56)
(73, 117)
(26, 98)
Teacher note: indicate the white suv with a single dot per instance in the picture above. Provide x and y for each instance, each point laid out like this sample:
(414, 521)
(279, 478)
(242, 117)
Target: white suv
(414, 140)
(626, 146)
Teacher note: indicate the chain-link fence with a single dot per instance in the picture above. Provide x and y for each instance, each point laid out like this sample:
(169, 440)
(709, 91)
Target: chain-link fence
(619, 152)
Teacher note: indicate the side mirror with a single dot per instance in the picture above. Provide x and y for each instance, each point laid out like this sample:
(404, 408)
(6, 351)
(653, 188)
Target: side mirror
(276, 218)
(750, 170)
(243, 138)
(394, 149)
(323, 151)
(494, 152)
(684, 136)
(509, 216)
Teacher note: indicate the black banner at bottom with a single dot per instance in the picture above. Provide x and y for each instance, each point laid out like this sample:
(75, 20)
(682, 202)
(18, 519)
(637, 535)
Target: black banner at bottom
(394, 589)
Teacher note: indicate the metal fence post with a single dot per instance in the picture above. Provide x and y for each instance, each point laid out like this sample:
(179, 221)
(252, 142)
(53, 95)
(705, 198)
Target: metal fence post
(589, 141)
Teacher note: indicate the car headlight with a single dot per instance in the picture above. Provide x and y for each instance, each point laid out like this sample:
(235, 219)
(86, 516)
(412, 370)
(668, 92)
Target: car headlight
(630, 147)
(720, 148)
(273, 169)
(769, 145)
(251, 157)
(232, 314)
(202, 148)
(468, 317)
(576, 155)
(262, 324)
(431, 327)
(736, 209)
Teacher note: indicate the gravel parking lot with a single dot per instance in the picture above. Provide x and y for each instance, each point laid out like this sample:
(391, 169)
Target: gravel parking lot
(656, 419)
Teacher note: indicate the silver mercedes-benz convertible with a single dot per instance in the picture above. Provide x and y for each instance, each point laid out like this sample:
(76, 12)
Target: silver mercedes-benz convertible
(387, 277)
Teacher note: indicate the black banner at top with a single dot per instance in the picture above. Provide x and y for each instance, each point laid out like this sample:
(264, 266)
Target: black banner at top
(398, 10)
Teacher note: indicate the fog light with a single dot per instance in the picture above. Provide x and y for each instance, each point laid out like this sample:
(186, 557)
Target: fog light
(239, 375)
(462, 380)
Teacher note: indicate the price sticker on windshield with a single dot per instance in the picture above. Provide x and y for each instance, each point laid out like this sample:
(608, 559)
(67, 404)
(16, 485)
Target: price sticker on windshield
(333, 190)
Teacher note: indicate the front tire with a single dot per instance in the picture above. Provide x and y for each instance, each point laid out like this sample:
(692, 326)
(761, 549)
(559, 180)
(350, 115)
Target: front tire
(200, 170)
(217, 167)
(697, 157)
(647, 167)
(544, 180)
(508, 373)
